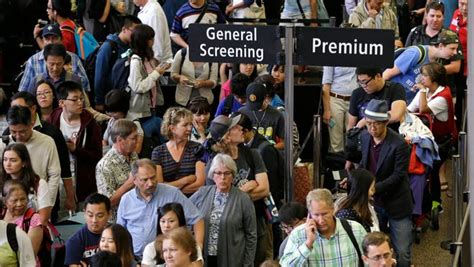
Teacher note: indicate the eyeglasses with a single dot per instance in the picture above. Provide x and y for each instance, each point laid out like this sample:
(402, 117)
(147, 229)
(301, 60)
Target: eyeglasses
(289, 228)
(385, 256)
(365, 83)
(77, 100)
(223, 173)
(44, 94)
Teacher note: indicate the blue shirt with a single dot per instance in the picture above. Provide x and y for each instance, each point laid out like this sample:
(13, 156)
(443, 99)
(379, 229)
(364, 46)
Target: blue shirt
(36, 65)
(407, 63)
(235, 107)
(343, 80)
(140, 217)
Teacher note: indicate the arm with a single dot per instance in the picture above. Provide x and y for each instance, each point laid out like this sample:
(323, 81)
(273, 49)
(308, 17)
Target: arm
(179, 40)
(390, 73)
(139, 146)
(70, 194)
(26, 83)
(250, 229)
(314, 10)
(37, 36)
(36, 236)
(326, 106)
(200, 178)
(105, 15)
(397, 111)
(453, 67)
(423, 108)
(296, 252)
(352, 121)
(127, 186)
(198, 229)
(262, 189)
(137, 82)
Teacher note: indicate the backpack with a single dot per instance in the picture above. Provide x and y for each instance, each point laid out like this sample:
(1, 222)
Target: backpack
(421, 48)
(89, 64)
(120, 73)
(44, 253)
(228, 103)
(279, 194)
(85, 41)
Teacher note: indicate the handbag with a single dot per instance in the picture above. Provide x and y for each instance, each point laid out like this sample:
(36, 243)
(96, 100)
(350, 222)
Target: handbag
(353, 145)
(271, 211)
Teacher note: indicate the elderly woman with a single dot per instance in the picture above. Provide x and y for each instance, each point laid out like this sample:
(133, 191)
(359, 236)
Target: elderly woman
(230, 222)
(251, 177)
(15, 196)
(434, 98)
(178, 160)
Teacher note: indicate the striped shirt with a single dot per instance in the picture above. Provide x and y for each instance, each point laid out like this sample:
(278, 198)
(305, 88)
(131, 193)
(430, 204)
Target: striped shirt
(173, 170)
(187, 15)
(338, 250)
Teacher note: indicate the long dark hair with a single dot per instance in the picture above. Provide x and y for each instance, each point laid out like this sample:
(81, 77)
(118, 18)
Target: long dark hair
(358, 185)
(123, 243)
(142, 33)
(28, 175)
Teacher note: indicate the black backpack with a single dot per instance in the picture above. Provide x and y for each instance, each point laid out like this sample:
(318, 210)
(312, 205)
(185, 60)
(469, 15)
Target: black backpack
(89, 63)
(228, 103)
(120, 73)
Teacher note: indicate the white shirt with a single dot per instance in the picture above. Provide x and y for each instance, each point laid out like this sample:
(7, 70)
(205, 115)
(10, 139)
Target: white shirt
(153, 15)
(438, 105)
(26, 255)
(70, 132)
(45, 161)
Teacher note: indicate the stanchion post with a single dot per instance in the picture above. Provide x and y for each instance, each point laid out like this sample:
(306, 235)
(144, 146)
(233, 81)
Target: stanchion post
(317, 183)
(289, 100)
(457, 198)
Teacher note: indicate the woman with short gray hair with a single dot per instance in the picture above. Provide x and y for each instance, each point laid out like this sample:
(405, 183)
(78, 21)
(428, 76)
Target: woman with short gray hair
(229, 217)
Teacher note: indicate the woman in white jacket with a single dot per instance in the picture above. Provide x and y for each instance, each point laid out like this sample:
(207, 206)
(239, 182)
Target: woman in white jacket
(144, 73)
(193, 78)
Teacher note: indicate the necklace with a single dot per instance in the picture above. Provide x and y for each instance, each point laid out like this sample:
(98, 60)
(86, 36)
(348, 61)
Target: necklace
(261, 119)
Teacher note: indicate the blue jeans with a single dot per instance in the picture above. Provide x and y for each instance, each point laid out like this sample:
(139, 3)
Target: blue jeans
(400, 231)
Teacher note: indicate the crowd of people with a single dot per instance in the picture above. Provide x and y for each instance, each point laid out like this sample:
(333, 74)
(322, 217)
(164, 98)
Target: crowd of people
(200, 183)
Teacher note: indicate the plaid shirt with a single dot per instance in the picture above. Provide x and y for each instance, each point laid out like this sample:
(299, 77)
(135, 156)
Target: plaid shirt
(36, 65)
(338, 250)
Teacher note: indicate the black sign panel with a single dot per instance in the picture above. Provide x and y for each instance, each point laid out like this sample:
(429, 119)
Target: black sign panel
(348, 47)
(234, 43)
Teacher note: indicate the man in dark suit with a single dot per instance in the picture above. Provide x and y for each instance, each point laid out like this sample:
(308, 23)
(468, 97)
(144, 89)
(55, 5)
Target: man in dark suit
(386, 155)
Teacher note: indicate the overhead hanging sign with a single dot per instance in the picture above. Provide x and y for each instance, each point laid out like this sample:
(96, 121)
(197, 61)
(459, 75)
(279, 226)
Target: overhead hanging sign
(234, 43)
(345, 47)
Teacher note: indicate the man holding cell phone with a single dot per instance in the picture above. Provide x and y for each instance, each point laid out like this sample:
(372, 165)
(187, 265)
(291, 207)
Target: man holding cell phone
(324, 240)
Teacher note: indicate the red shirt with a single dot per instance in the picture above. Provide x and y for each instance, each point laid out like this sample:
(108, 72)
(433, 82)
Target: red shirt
(459, 25)
(68, 35)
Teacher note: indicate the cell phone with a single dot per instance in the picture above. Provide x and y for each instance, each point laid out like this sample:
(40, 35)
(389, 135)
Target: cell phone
(164, 65)
(42, 22)
(189, 82)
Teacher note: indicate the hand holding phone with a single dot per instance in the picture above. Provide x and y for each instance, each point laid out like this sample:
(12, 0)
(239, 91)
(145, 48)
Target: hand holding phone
(310, 230)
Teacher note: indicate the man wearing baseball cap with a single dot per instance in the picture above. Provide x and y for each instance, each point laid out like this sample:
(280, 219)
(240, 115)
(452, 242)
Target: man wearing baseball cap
(268, 121)
(407, 64)
(386, 155)
(36, 65)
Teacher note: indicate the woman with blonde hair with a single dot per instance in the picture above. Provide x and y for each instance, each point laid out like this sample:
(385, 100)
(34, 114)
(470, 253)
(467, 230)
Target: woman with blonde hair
(178, 161)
